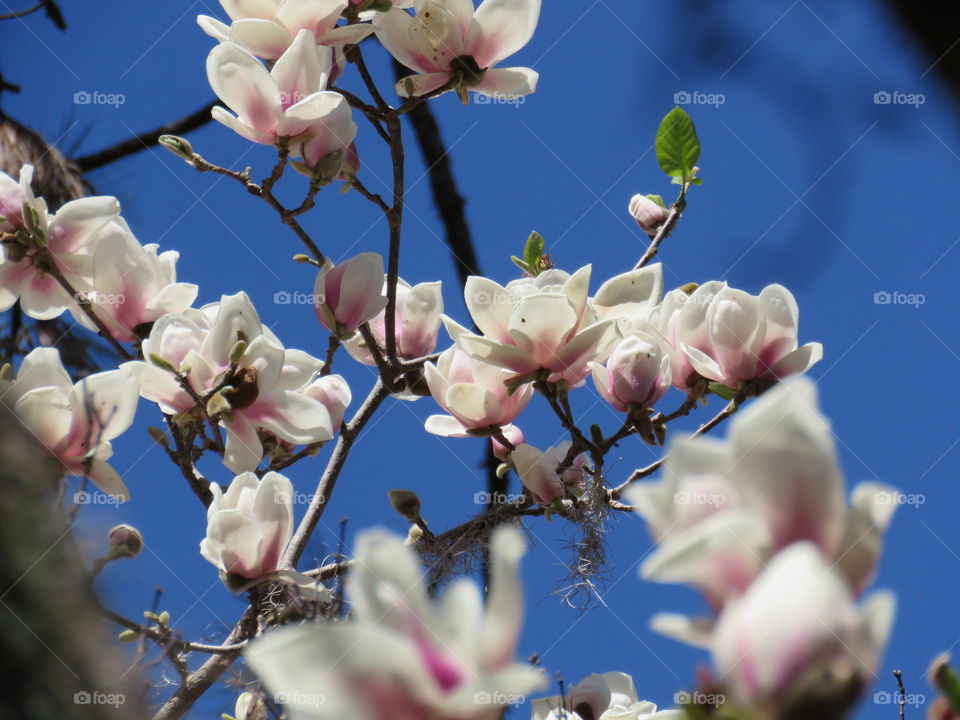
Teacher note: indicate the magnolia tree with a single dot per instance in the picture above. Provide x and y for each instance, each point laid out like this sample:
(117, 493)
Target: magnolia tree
(759, 522)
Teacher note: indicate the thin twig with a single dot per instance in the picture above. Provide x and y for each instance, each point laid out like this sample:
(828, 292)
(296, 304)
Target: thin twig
(662, 233)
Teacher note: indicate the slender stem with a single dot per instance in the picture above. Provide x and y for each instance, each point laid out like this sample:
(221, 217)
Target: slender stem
(328, 481)
(333, 344)
(165, 635)
(662, 234)
(21, 13)
(395, 221)
(386, 372)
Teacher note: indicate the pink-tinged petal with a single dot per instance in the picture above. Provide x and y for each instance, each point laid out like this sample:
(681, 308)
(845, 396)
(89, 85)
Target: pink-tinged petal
(721, 555)
(541, 324)
(737, 327)
(42, 298)
(317, 16)
(417, 85)
(13, 277)
(697, 632)
(395, 32)
(783, 318)
(292, 416)
(418, 319)
(107, 480)
(577, 288)
(797, 362)
(346, 35)
(490, 306)
(244, 451)
(500, 28)
(691, 323)
(787, 467)
(273, 512)
(445, 426)
(174, 298)
(234, 543)
(589, 344)
(242, 129)
(472, 405)
(495, 353)
(264, 38)
(45, 412)
(538, 474)
(104, 405)
(40, 368)
(244, 84)
(703, 364)
(75, 224)
(298, 73)
(236, 320)
(507, 83)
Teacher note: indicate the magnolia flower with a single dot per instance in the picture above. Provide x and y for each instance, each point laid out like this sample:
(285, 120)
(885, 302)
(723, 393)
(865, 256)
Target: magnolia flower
(249, 526)
(448, 43)
(67, 236)
(610, 696)
(268, 27)
(133, 286)
(637, 373)
(474, 394)
(536, 323)
(730, 336)
(649, 215)
(241, 371)
(796, 634)
(514, 436)
(349, 294)
(417, 323)
(538, 471)
(402, 657)
(74, 422)
(723, 508)
(288, 103)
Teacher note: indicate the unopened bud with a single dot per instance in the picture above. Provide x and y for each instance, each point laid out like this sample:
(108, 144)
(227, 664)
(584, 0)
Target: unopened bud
(237, 351)
(178, 146)
(158, 436)
(301, 258)
(161, 363)
(128, 636)
(688, 288)
(163, 618)
(406, 503)
(125, 541)
(250, 706)
(6, 372)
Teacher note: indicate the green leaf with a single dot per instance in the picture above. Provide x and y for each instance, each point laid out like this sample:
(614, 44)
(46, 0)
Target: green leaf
(533, 251)
(520, 263)
(727, 393)
(678, 147)
(658, 199)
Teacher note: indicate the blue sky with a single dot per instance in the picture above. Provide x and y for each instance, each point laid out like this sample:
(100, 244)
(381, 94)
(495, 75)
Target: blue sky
(808, 181)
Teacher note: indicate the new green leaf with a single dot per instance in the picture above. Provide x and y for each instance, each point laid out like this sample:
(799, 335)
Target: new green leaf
(678, 147)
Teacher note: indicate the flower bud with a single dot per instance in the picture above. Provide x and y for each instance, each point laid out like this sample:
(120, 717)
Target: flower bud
(406, 503)
(649, 214)
(178, 146)
(125, 541)
(250, 706)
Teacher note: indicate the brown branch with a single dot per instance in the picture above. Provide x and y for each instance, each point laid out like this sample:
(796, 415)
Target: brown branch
(145, 140)
(662, 234)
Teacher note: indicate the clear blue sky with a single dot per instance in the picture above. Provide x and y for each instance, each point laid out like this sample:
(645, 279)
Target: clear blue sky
(807, 182)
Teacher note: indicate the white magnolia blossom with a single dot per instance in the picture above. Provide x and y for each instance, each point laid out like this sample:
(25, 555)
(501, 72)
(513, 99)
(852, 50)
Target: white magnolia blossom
(474, 394)
(634, 296)
(417, 323)
(724, 507)
(729, 336)
(448, 42)
(536, 323)
(132, 285)
(224, 345)
(608, 696)
(69, 235)
(334, 393)
(249, 525)
(268, 27)
(636, 373)
(538, 471)
(74, 422)
(796, 630)
(402, 657)
(288, 103)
